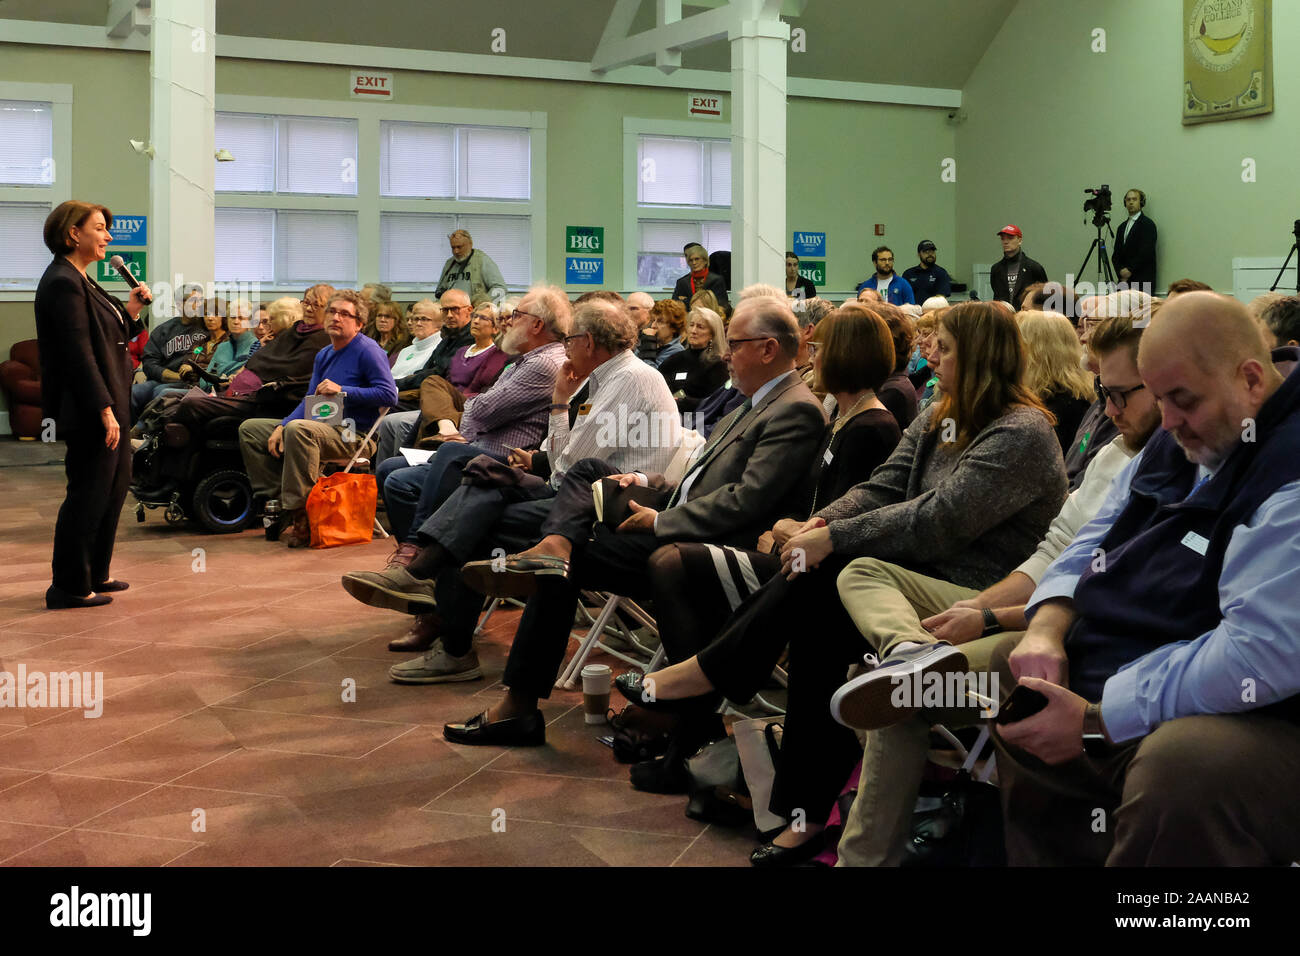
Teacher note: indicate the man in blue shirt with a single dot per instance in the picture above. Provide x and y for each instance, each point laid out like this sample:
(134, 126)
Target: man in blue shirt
(1172, 617)
(892, 287)
(283, 458)
(927, 279)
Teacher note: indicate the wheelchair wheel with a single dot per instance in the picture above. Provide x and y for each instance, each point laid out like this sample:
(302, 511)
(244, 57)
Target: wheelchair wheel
(223, 501)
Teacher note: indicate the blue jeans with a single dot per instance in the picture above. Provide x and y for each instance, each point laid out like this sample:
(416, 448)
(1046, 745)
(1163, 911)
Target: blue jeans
(146, 391)
(412, 494)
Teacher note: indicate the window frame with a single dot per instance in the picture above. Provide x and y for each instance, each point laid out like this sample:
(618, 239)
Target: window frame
(369, 204)
(59, 96)
(633, 212)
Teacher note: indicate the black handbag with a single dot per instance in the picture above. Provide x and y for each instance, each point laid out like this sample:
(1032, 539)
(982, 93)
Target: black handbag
(957, 822)
(716, 785)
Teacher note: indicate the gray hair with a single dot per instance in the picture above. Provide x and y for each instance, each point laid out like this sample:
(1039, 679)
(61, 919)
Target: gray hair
(760, 290)
(932, 303)
(609, 324)
(774, 317)
(283, 313)
(813, 311)
(461, 232)
(716, 331)
(554, 308)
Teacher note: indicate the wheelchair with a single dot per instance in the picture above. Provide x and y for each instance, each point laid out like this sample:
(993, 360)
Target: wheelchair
(195, 474)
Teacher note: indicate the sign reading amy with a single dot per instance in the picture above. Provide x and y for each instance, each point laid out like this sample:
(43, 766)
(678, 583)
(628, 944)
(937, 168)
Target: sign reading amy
(708, 105)
(583, 270)
(130, 230)
(134, 260)
(585, 239)
(370, 86)
(1227, 59)
(809, 244)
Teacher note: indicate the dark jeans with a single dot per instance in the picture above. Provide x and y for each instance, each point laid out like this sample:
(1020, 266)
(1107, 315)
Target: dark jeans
(86, 529)
(413, 493)
(817, 753)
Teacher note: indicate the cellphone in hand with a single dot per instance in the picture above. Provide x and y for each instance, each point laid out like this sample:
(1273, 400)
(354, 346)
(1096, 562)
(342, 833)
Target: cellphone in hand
(1023, 702)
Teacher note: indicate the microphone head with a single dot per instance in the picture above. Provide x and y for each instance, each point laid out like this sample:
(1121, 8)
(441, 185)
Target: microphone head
(117, 262)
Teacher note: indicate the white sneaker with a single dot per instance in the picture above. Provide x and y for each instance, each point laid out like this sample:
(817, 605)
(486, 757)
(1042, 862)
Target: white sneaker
(867, 702)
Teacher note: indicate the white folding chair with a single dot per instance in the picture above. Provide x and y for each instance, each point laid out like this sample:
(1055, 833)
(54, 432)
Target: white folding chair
(356, 461)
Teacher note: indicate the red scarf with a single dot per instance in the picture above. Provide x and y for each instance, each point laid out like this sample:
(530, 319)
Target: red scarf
(700, 276)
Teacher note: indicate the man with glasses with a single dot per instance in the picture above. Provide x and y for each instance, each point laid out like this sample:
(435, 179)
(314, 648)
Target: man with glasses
(735, 487)
(629, 420)
(283, 458)
(891, 287)
(471, 271)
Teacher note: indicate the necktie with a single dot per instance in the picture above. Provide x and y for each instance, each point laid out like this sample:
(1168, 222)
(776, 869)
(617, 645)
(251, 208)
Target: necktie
(713, 442)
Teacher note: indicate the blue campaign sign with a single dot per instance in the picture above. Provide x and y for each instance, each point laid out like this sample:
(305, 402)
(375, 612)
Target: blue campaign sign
(810, 243)
(584, 270)
(130, 230)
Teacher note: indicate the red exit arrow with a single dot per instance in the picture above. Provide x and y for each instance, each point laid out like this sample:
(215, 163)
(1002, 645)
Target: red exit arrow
(372, 92)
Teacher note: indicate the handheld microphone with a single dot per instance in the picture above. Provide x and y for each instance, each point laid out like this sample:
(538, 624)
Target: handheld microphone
(119, 266)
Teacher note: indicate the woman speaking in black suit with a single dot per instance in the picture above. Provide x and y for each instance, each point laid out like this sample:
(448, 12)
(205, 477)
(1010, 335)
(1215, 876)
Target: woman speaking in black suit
(86, 388)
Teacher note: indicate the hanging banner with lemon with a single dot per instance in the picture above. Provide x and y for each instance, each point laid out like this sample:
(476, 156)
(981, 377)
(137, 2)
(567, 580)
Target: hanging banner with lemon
(1227, 59)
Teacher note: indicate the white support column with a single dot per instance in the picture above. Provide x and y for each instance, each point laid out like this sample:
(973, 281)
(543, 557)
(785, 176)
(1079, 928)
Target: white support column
(758, 91)
(182, 67)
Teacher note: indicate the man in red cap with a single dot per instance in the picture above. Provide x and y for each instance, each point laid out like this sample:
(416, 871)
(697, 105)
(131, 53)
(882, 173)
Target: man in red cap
(1016, 272)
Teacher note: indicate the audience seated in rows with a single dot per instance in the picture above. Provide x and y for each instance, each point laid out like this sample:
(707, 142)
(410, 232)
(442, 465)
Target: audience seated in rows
(1054, 370)
(698, 370)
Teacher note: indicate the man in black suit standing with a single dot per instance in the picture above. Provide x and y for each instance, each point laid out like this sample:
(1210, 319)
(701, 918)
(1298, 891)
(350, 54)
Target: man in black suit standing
(1016, 272)
(86, 388)
(1134, 257)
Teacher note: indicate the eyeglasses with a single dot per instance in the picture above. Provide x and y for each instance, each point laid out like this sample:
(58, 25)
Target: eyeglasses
(449, 309)
(1117, 396)
(732, 343)
(527, 315)
(569, 338)
(812, 349)
(422, 318)
(341, 313)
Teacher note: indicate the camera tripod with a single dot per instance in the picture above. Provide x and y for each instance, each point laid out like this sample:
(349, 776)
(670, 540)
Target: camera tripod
(1105, 273)
(1287, 262)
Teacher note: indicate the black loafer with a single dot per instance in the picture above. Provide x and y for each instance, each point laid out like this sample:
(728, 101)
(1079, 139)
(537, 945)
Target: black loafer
(769, 854)
(109, 586)
(527, 731)
(57, 600)
(638, 689)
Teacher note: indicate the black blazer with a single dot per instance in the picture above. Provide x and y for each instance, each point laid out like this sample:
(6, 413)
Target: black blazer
(712, 281)
(1135, 250)
(1030, 272)
(82, 333)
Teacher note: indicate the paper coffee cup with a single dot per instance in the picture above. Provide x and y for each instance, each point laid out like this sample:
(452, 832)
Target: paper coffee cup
(596, 679)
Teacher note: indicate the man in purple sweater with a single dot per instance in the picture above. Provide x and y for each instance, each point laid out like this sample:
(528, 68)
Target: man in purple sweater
(283, 458)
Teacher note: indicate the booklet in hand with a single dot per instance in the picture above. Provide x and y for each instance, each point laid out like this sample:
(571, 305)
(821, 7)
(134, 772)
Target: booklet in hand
(613, 504)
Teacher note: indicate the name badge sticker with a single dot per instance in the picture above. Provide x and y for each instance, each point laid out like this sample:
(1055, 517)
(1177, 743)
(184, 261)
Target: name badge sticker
(680, 375)
(1196, 542)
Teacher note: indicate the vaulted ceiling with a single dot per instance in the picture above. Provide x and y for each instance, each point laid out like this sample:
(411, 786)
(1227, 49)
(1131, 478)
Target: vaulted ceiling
(933, 43)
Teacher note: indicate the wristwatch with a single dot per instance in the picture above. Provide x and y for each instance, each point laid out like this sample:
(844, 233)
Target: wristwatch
(991, 625)
(1095, 743)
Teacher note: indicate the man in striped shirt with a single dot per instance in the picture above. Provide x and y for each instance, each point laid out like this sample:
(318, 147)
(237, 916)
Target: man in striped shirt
(630, 420)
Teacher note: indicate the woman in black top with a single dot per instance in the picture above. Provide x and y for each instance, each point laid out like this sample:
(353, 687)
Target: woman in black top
(796, 286)
(86, 387)
(695, 586)
(698, 370)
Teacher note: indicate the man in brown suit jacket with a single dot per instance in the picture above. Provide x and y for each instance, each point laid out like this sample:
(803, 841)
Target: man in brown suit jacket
(739, 484)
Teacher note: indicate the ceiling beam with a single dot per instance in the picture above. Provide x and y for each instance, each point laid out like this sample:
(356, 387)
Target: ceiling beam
(128, 16)
(615, 51)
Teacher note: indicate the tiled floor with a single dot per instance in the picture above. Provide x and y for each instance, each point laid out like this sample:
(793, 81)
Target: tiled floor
(225, 738)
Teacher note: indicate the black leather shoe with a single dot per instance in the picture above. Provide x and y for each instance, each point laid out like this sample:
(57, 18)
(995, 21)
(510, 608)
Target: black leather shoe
(57, 600)
(527, 731)
(637, 687)
(769, 854)
(110, 586)
(662, 775)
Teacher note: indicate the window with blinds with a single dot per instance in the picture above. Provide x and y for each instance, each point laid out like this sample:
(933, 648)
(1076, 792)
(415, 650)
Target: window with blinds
(23, 256)
(302, 155)
(27, 167)
(286, 246)
(660, 262)
(26, 143)
(678, 171)
(414, 246)
(432, 161)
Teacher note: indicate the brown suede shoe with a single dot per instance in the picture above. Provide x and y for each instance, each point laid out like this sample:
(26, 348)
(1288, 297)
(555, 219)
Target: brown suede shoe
(424, 631)
(299, 535)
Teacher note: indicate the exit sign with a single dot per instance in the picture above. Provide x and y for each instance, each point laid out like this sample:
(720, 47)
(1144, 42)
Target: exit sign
(707, 105)
(588, 240)
(370, 86)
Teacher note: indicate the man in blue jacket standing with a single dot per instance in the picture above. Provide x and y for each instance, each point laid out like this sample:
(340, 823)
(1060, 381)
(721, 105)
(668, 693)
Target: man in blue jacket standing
(283, 458)
(892, 287)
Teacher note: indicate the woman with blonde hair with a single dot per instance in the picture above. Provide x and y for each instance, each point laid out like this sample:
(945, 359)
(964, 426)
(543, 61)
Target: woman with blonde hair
(1054, 370)
(698, 370)
(705, 299)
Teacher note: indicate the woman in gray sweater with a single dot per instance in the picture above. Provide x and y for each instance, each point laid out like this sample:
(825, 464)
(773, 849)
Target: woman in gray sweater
(965, 497)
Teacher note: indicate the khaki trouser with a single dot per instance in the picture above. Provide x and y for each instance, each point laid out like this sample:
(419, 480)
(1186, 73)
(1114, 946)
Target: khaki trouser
(306, 445)
(888, 603)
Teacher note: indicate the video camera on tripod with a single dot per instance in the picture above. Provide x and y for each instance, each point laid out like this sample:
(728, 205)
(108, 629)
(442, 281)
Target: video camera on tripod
(1099, 205)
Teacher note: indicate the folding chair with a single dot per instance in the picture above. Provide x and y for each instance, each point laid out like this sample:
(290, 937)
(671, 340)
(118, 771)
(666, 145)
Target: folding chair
(571, 675)
(356, 461)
